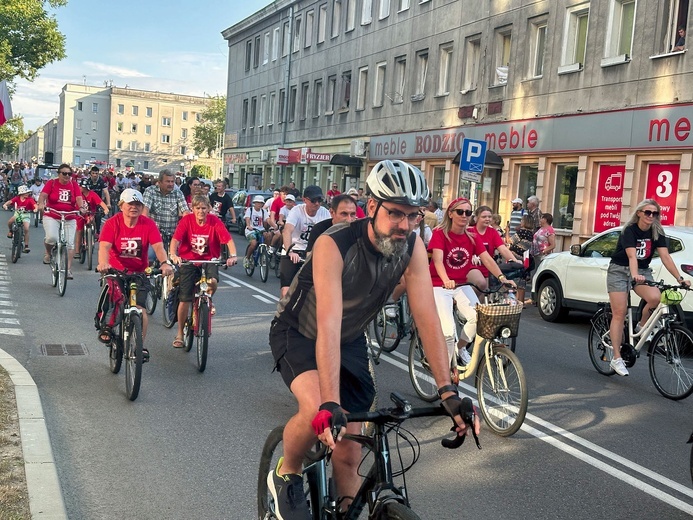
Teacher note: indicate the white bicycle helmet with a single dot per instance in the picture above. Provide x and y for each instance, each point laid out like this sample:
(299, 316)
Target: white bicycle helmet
(398, 182)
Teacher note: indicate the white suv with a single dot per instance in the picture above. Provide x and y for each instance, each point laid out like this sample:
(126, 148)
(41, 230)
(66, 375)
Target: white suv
(576, 280)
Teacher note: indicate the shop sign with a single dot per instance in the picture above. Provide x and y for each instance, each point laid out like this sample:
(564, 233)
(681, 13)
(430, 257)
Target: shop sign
(607, 207)
(300, 156)
(663, 186)
(235, 158)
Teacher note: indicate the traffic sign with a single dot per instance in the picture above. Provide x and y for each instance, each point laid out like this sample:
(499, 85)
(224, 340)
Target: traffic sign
(473, 155)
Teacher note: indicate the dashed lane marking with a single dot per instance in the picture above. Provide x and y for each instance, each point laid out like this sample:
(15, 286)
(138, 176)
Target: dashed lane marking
(265, 300)
(11, 332)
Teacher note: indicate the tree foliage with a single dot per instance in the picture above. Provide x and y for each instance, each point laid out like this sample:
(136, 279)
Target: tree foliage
(201, 170)
(11, 134)
(207, 134)
(29, 37)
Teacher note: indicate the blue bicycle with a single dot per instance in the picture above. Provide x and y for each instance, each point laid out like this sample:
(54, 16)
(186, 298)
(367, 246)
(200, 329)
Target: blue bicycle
(260, 258)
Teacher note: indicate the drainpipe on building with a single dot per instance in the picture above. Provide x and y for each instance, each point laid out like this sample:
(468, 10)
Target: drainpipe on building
(286, 92)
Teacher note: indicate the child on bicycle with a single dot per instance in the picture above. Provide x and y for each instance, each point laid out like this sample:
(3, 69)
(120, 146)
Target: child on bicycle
(91, 201)
(25, 203)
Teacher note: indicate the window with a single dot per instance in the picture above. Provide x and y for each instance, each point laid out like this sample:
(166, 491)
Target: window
(317, 98)
(183, 150)
(619, 34)
(121, 109)
(285, 40)
(275, 44)
(379, 91)
(117, 162)
(336, 17)
(303, 107)
(148, 112)
(444, 64)
(133, 128)
(253, 112)
(198, 117)
(119, 144)
(78, 159)
(400, 79)
(145, 165)
(165, 138)
(78, 124)
(292, 103)
(350, 15)
(244, 115)
(93, 143)
(248, 54)
(78, 142)
(322, 23)
(537, 45)
(256, 53)
(183, 133)
(575, 37)
(147, 148)
(133, 146)
(564, 200)
(503, 39)
(266, 49)
(165, 121)
(674, 16)
(297, 33)
(384, 10)
(310, 15)
(366, 12)
(261, 112)
(403, 5)
(94, 126)
(79, 106)
(135, 110)
(148, 129)
(270, 108)
(345, 96)
(472, 49)
(421, 71)
(119, 127)
(528, 181)
(95, 108)
(363, 88)
(330, 95)
(281, 116)
(184, 115)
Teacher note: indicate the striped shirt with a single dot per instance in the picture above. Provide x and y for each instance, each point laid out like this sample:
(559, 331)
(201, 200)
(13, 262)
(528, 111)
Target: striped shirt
(165, 210)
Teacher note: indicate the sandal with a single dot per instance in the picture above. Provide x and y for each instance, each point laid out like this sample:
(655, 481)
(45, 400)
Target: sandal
(178, 342)
(9, 235)
(105, 336)
(145, 355)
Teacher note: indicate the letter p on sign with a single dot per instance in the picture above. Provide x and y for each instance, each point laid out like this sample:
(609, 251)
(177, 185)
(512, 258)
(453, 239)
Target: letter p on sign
(473, 155)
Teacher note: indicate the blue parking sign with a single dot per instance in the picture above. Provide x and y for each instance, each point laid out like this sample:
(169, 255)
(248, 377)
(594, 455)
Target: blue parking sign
(473, 155)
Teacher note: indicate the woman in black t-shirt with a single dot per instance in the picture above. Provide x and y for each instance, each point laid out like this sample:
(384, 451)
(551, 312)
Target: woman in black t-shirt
(642, 235)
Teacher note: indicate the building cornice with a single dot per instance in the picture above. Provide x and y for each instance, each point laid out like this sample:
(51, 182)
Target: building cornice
(258, 16)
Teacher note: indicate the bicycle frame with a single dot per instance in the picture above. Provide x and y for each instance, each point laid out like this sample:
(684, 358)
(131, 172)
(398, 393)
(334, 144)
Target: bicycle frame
(203, 293)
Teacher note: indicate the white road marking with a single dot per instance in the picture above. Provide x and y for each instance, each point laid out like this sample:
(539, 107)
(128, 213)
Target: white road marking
(11, 332)
(264, 293)
(264, 300)
(9, 321)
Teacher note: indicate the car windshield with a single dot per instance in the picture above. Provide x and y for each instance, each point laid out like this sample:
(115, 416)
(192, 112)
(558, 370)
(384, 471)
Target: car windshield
(602, 247)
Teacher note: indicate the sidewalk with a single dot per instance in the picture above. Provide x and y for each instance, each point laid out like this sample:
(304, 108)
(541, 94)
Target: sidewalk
(45, 496)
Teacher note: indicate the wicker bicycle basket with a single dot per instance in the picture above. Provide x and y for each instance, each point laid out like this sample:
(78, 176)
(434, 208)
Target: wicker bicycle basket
(492, 317)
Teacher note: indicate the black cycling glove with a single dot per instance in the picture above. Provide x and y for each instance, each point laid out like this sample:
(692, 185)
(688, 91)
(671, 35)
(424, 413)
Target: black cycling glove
(453, 405)
(330, 415)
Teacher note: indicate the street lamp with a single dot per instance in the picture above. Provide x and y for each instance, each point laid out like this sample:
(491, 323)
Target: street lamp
(182, 168)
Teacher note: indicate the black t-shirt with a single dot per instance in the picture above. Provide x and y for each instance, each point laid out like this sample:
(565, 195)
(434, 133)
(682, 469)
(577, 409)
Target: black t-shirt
(317, 230)
(97, 186)
(645, 247)
(220, 205)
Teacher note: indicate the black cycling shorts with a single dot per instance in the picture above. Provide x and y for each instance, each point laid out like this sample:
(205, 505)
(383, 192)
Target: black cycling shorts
(288, 271)
(294, 354)
(189, 275)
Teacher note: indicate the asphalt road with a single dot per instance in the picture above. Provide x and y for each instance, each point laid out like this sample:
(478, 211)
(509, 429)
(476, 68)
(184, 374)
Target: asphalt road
(188, 447)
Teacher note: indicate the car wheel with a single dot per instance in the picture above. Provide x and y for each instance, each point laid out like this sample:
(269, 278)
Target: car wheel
(550, 301)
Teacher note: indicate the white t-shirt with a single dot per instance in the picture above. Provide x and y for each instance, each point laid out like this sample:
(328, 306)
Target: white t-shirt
(257, 218)
(428, 234)
(36, 190)
(303, 223)
(268, 203)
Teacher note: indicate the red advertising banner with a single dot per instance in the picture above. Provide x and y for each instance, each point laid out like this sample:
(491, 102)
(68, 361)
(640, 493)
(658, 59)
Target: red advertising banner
(663, 186)
(607, 208)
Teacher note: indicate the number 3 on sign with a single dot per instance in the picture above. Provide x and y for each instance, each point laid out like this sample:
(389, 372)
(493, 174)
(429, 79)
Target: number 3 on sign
(664, 188)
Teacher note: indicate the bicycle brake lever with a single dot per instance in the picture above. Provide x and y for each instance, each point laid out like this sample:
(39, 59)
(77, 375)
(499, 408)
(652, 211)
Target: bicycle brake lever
(459, 440)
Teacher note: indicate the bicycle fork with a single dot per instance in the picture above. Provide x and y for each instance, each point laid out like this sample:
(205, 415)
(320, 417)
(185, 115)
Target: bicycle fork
(500, 369)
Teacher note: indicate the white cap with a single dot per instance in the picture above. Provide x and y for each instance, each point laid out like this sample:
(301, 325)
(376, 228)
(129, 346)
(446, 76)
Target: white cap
(259, 198)
(130, 195)
(517, 201)
(352, 191)
(290, 197)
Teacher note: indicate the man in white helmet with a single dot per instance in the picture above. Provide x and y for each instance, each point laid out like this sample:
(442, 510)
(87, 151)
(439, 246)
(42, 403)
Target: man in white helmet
(317, 335)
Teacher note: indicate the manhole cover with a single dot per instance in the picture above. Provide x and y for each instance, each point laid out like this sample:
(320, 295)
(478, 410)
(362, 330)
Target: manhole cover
(63, 349)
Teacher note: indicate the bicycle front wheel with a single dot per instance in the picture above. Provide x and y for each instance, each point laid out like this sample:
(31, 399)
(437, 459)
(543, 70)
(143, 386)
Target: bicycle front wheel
(249, 265)
(202, 338)
(150, 302)
(115, 351)
(62, 269)
(89, 252)
(17, 243)
(277, 262)
(170, 308)
(420, 372)
(502, 391)
(397, 511)
(133, 357)
(263, 261)
(188, 330)
(36, 219)
(671, 362)
(599, 342)
(54, 267)
(386, 329)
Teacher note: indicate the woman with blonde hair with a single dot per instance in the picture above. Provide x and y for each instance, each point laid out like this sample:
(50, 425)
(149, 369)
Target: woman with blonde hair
(452, 247)
(641, 237)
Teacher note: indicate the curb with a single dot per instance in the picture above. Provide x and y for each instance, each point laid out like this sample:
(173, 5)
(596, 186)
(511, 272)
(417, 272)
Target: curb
(45, 495)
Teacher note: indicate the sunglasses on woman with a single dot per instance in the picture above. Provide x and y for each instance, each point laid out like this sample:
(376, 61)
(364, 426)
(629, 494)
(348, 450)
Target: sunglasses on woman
(649, 213)
(465, 212)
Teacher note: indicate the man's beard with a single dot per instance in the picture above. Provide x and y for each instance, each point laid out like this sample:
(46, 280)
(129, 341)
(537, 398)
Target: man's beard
(388, 246)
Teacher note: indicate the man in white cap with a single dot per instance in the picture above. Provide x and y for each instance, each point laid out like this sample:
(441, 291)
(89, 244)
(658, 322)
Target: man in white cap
(516, 215)
(256, 217)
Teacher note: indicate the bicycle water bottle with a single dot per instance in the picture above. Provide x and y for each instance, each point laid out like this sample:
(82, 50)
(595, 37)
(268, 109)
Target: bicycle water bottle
(511, 298)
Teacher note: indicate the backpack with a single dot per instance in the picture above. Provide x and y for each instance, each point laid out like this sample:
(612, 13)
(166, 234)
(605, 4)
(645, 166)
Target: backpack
(111, 300)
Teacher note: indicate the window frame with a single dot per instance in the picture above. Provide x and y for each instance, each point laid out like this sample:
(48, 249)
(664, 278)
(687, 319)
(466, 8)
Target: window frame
(421, 72)
(618, 36)
(400, 79)
(362, 92)
(502, 51)
(445, 62)
(573, 53)
(538, 32)
(380, 84)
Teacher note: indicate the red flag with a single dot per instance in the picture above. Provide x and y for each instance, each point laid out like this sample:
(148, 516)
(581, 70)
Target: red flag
(5, 106)
(525, 259)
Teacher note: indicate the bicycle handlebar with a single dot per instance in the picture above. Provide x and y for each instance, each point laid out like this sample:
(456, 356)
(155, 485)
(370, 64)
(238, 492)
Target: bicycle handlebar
(484, 291)
(660, 285)
(117, 273)
(217, 261)
(63, 213)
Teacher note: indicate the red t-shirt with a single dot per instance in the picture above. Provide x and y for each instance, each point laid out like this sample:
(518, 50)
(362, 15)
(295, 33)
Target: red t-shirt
(491, 240)
(28, 204)
(62, 197)
(200, 242)
(277, 204)
(129, 246)
(457, 255)
(92, 201)
(111, 181)
(359, 212)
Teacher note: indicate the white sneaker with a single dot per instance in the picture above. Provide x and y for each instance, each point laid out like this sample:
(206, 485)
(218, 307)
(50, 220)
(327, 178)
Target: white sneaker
(619, 366)
(463, 356)
(391, 312)
(270, 250)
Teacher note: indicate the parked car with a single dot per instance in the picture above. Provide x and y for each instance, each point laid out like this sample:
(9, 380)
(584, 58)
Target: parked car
(576, 280)
(242, 200)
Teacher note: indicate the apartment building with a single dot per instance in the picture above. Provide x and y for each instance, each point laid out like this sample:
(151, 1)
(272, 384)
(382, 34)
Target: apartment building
(119, 127)
(586, 104)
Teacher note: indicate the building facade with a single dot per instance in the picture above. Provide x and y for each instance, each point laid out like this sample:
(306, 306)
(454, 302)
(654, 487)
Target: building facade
(586, 104)
(124, 127)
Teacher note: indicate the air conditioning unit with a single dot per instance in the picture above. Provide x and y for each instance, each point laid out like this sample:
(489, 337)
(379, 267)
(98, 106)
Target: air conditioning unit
(264, 155)
(358, 148)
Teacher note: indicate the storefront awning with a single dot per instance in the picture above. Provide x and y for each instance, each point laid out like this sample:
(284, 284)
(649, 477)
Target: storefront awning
(346, 160)
(493, 160)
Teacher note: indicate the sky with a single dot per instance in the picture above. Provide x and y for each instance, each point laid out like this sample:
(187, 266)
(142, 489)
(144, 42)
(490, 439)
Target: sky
(145, 44)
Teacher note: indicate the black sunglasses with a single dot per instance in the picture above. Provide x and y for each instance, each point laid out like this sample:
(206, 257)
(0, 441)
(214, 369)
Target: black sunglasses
(316, 200)
(649, 213)
(460, 212)
(64, 173)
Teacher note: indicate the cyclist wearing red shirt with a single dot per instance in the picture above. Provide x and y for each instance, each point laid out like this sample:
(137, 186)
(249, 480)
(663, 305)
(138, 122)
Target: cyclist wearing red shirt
(91, 202)
(25, 202)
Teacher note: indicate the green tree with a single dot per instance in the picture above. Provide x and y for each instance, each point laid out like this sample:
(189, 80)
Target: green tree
(207, 135)
(11, 134)
(201, 170)
(29, 37)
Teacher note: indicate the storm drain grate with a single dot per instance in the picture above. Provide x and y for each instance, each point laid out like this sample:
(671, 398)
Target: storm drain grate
(63, 349)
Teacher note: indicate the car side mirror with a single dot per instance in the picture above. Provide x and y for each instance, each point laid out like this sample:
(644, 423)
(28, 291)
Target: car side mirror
(575, 249)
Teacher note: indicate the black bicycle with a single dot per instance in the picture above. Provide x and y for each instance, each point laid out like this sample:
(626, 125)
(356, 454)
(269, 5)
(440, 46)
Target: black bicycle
(160, 286)
(379, 492)
(20, 216)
